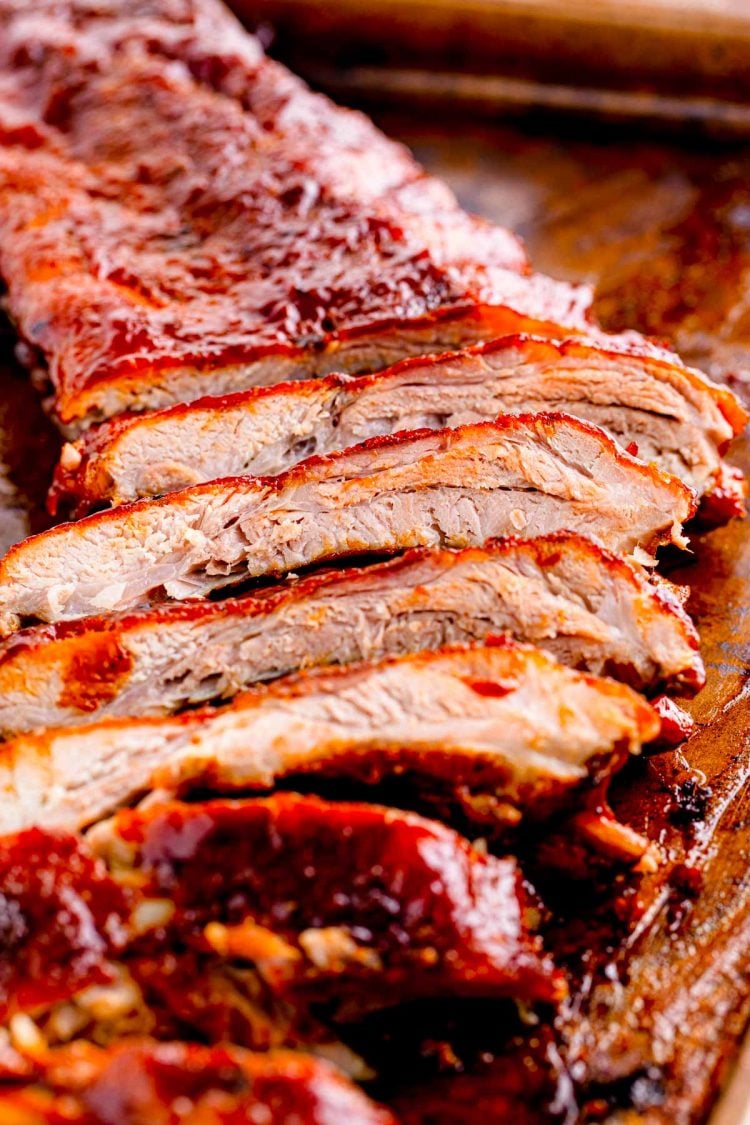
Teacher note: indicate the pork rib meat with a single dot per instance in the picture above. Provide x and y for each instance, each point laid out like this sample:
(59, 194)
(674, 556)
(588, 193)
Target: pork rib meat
(655, 406)
(164, 235)
(521, 474)
(226, 919)
(502, 726)
(586, 606)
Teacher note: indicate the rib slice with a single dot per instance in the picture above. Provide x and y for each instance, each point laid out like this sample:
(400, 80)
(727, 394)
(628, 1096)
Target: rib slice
(589, 608)
(148, 1081)
(163, 237)
(228, 919)
(527, 474)
(501, 722)
(666, 412)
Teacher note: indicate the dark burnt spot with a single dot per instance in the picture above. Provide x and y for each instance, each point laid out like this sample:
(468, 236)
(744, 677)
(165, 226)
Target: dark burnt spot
(690, 797)
(642, 1091)
(687, 880)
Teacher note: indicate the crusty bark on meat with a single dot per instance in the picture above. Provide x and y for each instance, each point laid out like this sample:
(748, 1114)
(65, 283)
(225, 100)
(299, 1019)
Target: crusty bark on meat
(162, 237)
(344, 148)
(523, 474)
(500, 722)
(74, 42)
(143, 1081)
(586, 606)
(227, 919)
(658, 408)
(364, 291)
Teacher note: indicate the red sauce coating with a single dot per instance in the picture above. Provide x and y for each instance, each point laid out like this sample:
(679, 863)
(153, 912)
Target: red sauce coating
(61, 919)
(144, 1081)
(182, 224)
(676, 723)
(726, 501)
(93, 674)
(353, 904)
(489, 688)
(438, 915)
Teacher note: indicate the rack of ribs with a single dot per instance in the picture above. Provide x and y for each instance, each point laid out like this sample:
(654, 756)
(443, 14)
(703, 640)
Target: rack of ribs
(163, 238)
(274, 342)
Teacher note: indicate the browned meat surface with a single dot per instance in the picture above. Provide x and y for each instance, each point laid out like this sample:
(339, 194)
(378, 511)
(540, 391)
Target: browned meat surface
(62, 917)
(226, 920)
(522, 474)
(144, 1082)
(502, 727)
(657, 408)
(655, 966)
(74, 39)
(589, 608)
(174, 220)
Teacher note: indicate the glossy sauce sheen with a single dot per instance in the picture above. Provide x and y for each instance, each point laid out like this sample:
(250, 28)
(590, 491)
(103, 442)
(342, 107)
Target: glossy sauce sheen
(420, 912)
(61, 917)
(456, 910)
(684, 276)
(144, 1081)
(185, 226)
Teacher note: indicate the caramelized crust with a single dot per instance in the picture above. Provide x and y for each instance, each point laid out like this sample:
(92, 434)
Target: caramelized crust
(142, 1081)
(441, 918)
(166, 235)
(521, 474)
(230, 918)
(500, 729)
(61, 918)
(653, 405)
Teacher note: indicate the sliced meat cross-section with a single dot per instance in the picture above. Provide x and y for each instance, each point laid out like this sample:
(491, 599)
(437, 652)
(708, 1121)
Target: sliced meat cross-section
(666, 412)
(522, 474)
(500, 725)
(589, 608)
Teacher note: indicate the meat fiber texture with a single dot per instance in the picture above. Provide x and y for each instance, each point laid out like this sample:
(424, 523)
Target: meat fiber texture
(589, 608)
(656, 407)
(501, 721)
(522, 474)
(229, 918)
(147, 1081)
(177, 219)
